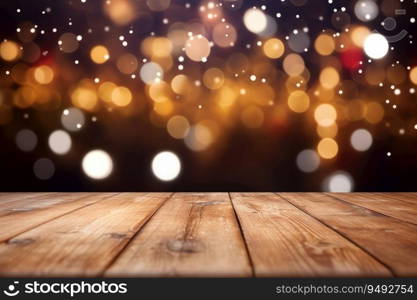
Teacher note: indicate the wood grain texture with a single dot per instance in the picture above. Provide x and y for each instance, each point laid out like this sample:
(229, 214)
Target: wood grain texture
(284, 241)
(191, 235)
(396, 208)
(82, 243)
(29, 213)
(406, 197)
(11, 201)
(199, 234)
(390, 240)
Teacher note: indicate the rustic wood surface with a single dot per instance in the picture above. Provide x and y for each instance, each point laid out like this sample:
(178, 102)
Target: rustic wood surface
(208, 234)
(191, 235)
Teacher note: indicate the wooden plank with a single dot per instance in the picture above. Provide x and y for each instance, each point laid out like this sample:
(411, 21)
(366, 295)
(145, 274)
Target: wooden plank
(6, 197)
(389, 206)
(36, 201)
(191, 235)
(24, 218)
(406, 197)
(391, 241)
(284, 241)
(9, 200)
(82, 243)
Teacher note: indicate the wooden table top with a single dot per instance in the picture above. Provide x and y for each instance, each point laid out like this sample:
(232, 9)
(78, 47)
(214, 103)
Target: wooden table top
(208, 234)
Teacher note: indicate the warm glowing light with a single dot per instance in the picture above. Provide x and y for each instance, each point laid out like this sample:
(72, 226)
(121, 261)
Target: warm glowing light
(359, 35)
(178, 127)
(255, 20)
(43, 74)
(105, 91)
(213, 78)
(299, 101)
(121, 96)
(325, 115)
(127, 63)
(327, 131)
(161, 47)
(159, 91)
(327, 148)
(85, 98)
(68, 42)
(273, 48)
(199, 138)
(166, 166)
(376, 46)
(197, 48)
(121, 12)
(158, 5)
(9, 51)
(224, 35)
(252, 117)
(97, 164)
(374, 112)
(99, 54)
(325, 44)
(293, 64)
(180, 84)
(413, 75)
(163, 107)
(329, 78)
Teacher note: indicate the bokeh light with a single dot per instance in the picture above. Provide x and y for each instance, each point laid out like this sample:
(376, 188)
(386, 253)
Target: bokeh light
(376, 46)
(298, 101)
(274, 48)
(255, 20)
(26, 140)
(60, 142)
(99, 54)
(97, 164)
(72, 119)
(327, 148)
(178, 127)
(339, 182)
(361, 140)
(44, 74)
(308, 161)
(44, 168)
(198, 48)
(9, 51)
(151, 72)
(255, 86)
(166, 166)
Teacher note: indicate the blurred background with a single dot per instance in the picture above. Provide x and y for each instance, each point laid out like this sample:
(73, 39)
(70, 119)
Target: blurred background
(231, 95)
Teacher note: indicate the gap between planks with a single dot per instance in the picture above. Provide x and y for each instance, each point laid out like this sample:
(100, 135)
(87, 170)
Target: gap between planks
(341, 234)
(82, 243)
(192, 234)
(285, 241)
(390, 240)
(29, 213)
